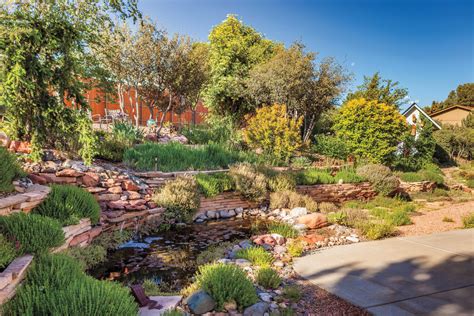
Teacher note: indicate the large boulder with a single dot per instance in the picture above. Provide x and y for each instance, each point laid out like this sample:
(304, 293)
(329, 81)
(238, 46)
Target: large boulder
(313, 221)
(258, 309)
(200, 302)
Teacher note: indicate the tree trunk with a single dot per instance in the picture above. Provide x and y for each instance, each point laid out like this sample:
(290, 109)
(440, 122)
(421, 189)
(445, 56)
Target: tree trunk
(137, 110)
(309, 128)
(121, 97)
(170, 103)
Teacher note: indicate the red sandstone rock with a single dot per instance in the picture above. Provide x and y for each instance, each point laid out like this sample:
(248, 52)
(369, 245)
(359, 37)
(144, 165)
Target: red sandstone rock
(14, 145)
(79, 239)
(135, 207)
(119, 205)
(115, 190)
(137, 202)
(68, 173)
(151, 204)
(52, 178)
(37, 179)
(89, 181)
(94, 232)
(109, 197)
(132, 195)
(312, 238)
(314, 220)
(128, 185)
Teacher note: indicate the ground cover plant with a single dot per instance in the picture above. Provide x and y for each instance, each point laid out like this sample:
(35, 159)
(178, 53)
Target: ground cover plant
(7, 252)
(429, 172)
(314, 176)
(295, 248)
(9, 170)
(89, 256)
(380, 176)
(225, 283)
(442, 194)
(32, 233)
(56, 285)
(212, 184)
(256, 255)
(291, 199)
(468, 221)
(282, 181)
(69, 204)
(284, 229)
(180, 197)
(178, 157)
(268, 278)
(249, 181)
(348, 176)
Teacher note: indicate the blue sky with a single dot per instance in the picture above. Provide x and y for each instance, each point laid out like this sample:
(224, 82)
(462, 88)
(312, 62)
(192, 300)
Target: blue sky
(426, 45)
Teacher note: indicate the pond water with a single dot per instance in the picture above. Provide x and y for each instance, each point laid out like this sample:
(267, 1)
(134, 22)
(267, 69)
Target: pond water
(169, 258)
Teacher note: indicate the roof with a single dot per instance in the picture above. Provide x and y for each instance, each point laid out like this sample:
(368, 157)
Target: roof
(414, 105)
(462, 107)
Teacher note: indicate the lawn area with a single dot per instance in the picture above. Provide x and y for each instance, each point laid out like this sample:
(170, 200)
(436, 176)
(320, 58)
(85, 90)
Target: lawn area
(178, 157)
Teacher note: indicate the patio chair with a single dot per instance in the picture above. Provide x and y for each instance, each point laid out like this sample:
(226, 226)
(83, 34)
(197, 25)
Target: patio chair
(142, 299)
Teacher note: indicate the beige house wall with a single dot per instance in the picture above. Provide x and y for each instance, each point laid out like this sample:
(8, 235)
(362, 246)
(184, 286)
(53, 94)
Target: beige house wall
(453, 117)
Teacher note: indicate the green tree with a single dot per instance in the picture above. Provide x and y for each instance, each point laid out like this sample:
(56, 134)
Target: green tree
(380, 90)
(234, 48)
(463, 95)
(371, 130)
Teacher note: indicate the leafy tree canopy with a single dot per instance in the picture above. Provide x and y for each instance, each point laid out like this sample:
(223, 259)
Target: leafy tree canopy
(463, 95)
(380, 90)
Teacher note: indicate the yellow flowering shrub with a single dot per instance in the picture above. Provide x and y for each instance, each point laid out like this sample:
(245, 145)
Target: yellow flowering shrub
(371, 130)
(274, 132)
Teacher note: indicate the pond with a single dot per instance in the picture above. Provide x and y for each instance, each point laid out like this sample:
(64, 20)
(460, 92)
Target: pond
(169, 258)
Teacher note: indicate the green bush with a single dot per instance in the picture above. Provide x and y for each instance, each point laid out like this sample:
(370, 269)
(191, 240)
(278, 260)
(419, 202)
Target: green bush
(295, 248)
(89, 256)
(327, 207)
(470, 183)
(314, 176)
(268, 278)
(180, 197)
(127, 133)
(284, 229)
(301, 162)
(292, 293)
(154, 289)
(213, 253)
(251, 183)
(291, 199)
(212, 184)
(217, 130)
(9, 170)
(258, 256)
(348, 176)
(110, 148)
(331, 146)
(337, 218)
(468, 221)
(7, 252)
(55, 285)
(33, 233)
(380, 176)
(68, 204)
(281, 182)
(111, 240)
(376, 229)
(225, 283)
(178, 157)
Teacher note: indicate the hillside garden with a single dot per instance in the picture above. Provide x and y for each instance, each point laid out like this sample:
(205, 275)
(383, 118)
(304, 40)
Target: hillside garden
(280, 125)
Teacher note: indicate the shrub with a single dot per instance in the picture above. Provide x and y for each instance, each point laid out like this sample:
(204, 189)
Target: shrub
(470, 183)
(178, 157)
(422, 175)
(9, 170)
(301, 162)
(337, 218)
(376, 229)
(292, 293)
(109, 148)
(249, 182)
(126, 133)
(180, 197)
(225, 283)
(327, 207)
(448, 219)
(331, 146)
(348, 176)
(284, 229)
(455, 141)
(257, 255)
(468, 221)
(55, 285)
(290, 199)
(381, 178)
(89, 256)
(281, 182)
(314, 176)
(154, 289)
(371, 130)
(212, 184)
(217, 130)
(273, 131)
(295, 248)
(111, 240)
(268, 278)
(399, 218)
(213, 253)
(7, 252)
(68, 204)
(33, 233)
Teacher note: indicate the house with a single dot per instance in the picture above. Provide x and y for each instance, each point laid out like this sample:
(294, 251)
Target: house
(452, 115)
(414, 115)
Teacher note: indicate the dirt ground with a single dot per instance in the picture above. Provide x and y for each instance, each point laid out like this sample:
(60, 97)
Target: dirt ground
(429, 218)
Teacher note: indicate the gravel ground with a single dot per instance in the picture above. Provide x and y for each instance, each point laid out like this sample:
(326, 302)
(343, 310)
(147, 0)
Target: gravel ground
(429, 219)
(318, 302)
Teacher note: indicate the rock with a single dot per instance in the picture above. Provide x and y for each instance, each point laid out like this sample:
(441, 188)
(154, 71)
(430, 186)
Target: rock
(37, 179)
(211, 214)
(244, 244)
(312, 238)
(129, 185)
(239, 210)
(4, 140)
(300, 227)
(68, 173)
(266, 297)
(133, 195)
(352, 238)
(279, 264)
(200, 302)
(243, 263)
(258, 309)
(115, 190)
(313, 221)
(89, 181)
(224, 261)
(118, 205)
(279, 239)
(279, 249)
(298, 211)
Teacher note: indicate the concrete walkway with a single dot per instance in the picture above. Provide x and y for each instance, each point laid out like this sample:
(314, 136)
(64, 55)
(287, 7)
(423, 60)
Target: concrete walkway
(422, 275)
